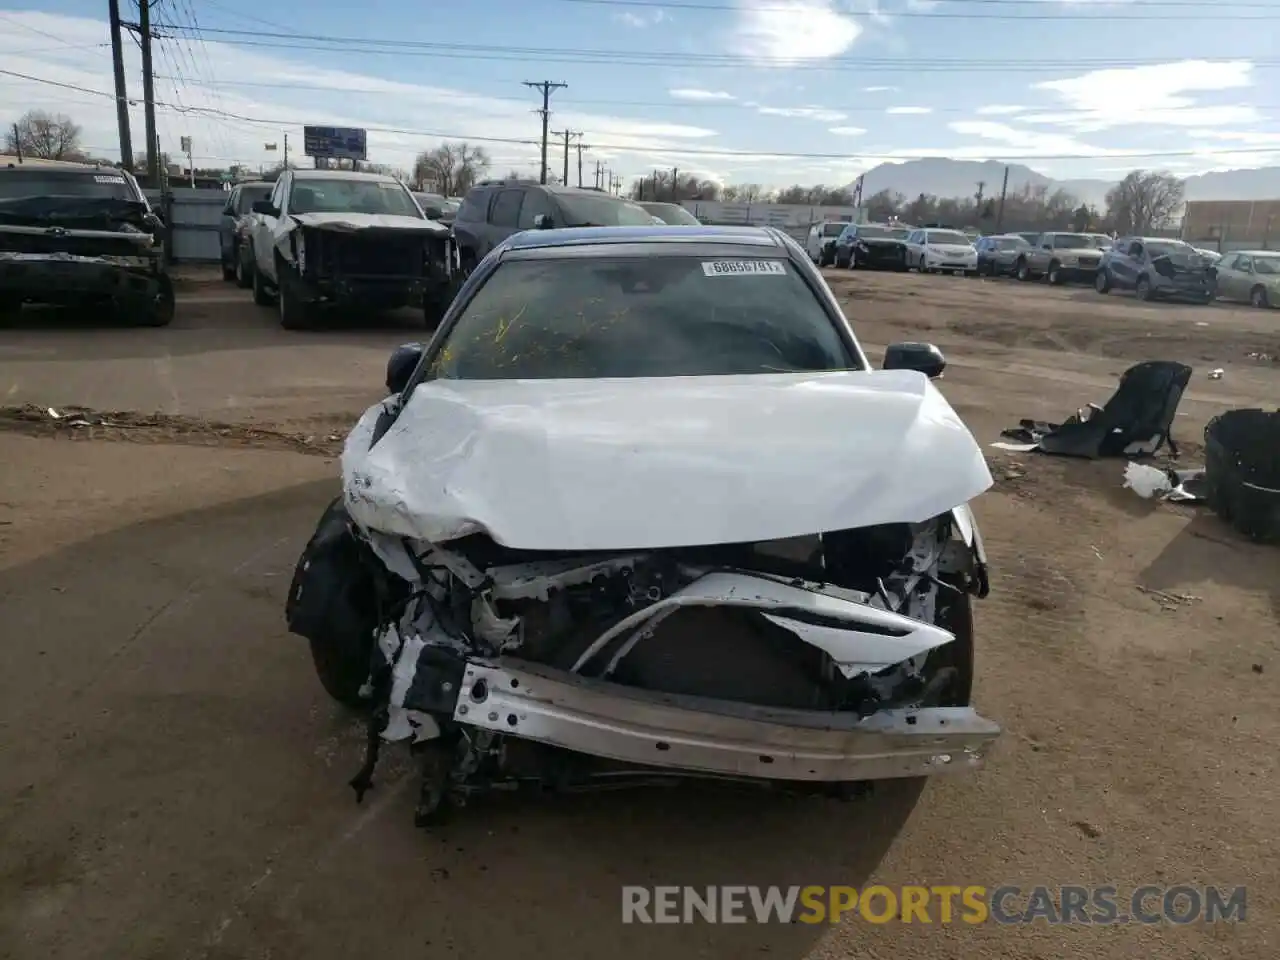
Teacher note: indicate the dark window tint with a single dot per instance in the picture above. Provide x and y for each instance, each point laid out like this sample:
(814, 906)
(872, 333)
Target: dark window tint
(639, 317)
(1010, 243)
(599, 210)
(535, 202)
(506, 209)
(832, 229)
(351, 195)
(475, 206)
(1071, 241)
(104, 185)
(1267, 266)
(672, 214)
(250, 195)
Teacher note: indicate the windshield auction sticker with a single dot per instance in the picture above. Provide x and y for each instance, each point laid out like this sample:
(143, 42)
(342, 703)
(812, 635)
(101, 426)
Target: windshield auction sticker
(743, 268)
(108, 179)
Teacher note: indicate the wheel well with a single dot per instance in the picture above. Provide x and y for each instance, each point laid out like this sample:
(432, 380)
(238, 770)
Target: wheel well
(1256, 287)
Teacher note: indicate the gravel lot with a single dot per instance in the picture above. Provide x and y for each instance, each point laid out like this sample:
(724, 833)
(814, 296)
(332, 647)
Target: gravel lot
(172, 778)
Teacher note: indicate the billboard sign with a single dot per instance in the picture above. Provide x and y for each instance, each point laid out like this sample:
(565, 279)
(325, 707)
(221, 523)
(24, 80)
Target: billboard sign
(335, 143)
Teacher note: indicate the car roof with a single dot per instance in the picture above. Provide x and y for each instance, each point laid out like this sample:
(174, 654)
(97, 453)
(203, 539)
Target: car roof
(342, 175)
(654, 233)
(657, 203)
(1253, 253)
(60, 166)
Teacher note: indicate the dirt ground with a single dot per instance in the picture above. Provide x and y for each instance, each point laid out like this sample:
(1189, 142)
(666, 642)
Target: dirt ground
(173, 780)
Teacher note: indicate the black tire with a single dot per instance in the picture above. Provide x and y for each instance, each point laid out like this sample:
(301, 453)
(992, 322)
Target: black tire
(1143, 290)
(1102, 282)
(244, 271)
(842, 264)
(342, 668)
(1054, 274)
(261, 295)
(159, 311)
(1023, 271)
(229, 269)
(1258, 297)
(295, 313)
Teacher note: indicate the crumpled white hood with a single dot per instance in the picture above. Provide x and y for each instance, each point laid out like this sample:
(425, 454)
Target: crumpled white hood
(352, 222)
(663, 462)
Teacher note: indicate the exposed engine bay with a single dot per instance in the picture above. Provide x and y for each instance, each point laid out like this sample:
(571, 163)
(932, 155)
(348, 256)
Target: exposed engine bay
(505, 668)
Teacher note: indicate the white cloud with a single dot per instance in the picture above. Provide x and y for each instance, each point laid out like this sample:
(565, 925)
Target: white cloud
(848, 131)
(999, 110)
(266, 95)
(782, 32)
(878, 89)
(1151, 95)
(822, 114)
(694, 93)
(1024, 143)
(909, 111)
(642, 20)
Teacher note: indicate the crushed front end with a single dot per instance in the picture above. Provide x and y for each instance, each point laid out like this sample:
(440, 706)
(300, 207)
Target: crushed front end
(378, 268)
(819, 663)
(71, 251)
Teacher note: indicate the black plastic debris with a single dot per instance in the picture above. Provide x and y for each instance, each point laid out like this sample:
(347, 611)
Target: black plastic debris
(1242, 471)
(1135, 422)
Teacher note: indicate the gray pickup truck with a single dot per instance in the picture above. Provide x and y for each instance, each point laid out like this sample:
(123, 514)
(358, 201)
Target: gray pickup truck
(1060, 258)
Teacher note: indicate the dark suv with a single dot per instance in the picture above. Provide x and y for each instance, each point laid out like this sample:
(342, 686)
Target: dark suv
(1155, 267)
(495, 209)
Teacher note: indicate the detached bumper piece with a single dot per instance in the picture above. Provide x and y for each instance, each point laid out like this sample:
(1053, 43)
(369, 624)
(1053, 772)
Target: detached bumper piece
(715, 737)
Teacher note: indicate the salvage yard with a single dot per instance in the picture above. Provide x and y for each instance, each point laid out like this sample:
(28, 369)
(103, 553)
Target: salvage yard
(173, 778)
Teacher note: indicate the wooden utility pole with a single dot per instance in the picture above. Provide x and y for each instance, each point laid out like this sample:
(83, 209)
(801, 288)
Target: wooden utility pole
(1004, 188)
(581, 146)
(148, 93)
(568, 134)
(122, 96)
(675, 184)
(547, 87)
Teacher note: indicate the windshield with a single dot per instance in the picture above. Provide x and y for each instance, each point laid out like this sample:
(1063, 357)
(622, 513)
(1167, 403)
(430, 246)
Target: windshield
(1011, 243)
(664, 316)
(352, 196)
(672, 214)
(1268, 265)
(881, 233)
(251, 195)
(946, 236)
(1072, 241)
(107, 185)
(586, 210)
(1167, 248)
(833, 229)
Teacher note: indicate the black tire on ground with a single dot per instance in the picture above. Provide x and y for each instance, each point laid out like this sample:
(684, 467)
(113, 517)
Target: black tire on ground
(1258, 297)
(295, 313)
(244, 271)
(261, 295)
(229, 269)
(157, 312)
(342, 668)
(1102, 281)
(1023, 272)
(1054, 275)
(842, 264)
(1143, 290)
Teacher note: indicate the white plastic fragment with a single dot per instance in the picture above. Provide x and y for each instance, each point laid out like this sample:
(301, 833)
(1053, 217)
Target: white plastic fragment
(1216, 374)
(1145, 481)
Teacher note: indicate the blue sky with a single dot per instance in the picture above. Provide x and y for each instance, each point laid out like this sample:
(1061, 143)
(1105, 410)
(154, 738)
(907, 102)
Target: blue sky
(738, 90)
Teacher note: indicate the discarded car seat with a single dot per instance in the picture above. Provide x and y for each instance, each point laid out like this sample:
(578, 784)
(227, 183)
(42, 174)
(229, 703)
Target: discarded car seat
(1136, 421)
(1242, 471)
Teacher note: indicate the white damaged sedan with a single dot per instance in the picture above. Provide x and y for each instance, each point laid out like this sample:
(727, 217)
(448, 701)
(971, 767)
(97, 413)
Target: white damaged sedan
(642, 510)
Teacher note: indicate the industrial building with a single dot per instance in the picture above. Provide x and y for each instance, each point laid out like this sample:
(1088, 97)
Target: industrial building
(1225, 225)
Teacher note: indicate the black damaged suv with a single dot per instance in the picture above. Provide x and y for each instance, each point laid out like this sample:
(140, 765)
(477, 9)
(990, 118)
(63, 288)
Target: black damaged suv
(81, 235)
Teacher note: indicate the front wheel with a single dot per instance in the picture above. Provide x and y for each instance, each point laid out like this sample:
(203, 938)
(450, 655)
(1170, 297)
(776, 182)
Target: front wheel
(159, 310)
(229, 269)
(1023, 271)
(1258, 297)
(1054, 276)
(244, 270)
(295, 313)
(1144, 291)
(1102, 281)
(261, 295)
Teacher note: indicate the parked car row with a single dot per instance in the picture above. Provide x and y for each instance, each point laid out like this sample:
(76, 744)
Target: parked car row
(1152, 267)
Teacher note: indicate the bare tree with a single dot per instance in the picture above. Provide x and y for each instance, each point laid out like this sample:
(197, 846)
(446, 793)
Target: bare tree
(451, 168)
(744, 193)
(1145, 200)
(45, 136)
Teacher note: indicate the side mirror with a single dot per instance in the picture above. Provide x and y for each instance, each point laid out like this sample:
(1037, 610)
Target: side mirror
(433, 213)
(404, 360)
(265, 208)
(542, 221)
(923, 357)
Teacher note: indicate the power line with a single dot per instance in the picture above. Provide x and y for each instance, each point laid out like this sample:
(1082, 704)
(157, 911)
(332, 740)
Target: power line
(680, 150)
(946, 15)
(665, 5)
(446, 51)
(711, 105)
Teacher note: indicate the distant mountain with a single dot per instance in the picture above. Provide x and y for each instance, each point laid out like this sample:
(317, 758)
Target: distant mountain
(960, 178)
